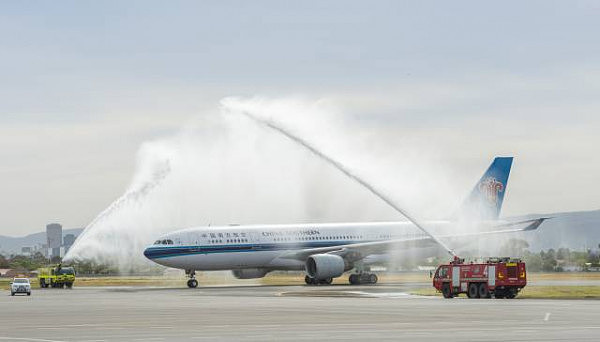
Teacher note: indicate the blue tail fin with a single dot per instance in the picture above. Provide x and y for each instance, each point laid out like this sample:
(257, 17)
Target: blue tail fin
(485, 200)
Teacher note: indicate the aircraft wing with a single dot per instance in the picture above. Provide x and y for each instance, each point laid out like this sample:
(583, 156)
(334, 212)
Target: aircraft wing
(358, 251)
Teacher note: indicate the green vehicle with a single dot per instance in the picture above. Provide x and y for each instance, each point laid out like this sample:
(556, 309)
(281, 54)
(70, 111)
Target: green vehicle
(56, 276)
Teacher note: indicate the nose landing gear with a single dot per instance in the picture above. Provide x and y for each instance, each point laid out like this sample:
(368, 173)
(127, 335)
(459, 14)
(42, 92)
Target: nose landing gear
(192, 283)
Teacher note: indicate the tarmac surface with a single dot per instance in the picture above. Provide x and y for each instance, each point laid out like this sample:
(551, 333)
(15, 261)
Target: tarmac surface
(294, 313)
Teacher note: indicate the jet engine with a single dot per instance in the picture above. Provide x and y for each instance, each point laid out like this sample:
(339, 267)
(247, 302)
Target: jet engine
(323, 266)
(250, 273)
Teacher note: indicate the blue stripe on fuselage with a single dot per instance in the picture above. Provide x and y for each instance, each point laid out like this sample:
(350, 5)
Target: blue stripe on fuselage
(171, 251)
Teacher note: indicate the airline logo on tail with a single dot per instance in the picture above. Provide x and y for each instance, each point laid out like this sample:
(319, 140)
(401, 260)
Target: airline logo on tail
(490, 188)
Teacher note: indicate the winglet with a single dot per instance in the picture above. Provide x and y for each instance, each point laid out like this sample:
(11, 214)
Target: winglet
(536, 223)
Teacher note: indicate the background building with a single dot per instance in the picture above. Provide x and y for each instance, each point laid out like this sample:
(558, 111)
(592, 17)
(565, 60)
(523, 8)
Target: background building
(54, 238)
(68, 241)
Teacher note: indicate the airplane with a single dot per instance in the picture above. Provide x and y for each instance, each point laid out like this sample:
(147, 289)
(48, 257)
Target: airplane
(326, 251)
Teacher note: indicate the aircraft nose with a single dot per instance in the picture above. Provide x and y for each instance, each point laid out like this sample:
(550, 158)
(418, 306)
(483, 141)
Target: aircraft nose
(149, 253)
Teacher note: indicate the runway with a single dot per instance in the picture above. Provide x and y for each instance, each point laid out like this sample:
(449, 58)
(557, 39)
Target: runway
(290, 313)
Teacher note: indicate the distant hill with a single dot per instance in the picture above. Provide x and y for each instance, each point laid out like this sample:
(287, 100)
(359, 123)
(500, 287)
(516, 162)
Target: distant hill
(12, 245)
(574, 230)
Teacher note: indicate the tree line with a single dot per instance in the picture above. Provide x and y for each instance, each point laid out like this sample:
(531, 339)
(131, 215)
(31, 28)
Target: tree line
(551, 260)
(38, 260)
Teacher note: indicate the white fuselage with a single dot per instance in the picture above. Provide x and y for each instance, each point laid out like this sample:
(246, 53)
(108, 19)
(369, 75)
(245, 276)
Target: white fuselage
(265, 246)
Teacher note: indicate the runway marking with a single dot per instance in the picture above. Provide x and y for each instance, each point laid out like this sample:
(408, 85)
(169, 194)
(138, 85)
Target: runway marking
(350, 294)
(28, 339)
(66, 326)
(547, 317)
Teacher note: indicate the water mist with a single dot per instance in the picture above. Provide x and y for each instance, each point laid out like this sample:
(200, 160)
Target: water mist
(222, 168)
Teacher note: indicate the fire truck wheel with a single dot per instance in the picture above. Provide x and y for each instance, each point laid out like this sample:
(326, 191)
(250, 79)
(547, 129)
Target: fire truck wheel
(473, 291)
(484, 292)
(499, 294)
(446, 291)
(511, 293)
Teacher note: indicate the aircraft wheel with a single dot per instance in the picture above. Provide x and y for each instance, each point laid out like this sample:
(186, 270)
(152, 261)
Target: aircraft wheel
(354, 279)
(326, 281)
(373, 279)
(310, 281)
(192, 283)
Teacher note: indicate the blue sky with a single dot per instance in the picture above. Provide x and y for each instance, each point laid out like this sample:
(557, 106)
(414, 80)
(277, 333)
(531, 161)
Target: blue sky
(84, 83)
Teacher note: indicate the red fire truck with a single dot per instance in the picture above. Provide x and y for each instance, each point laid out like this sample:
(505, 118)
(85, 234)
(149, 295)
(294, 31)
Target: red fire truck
(498, 277)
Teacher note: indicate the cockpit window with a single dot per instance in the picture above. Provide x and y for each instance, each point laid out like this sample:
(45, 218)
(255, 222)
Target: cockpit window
(442, 272)
(163, 242)
(66, 270)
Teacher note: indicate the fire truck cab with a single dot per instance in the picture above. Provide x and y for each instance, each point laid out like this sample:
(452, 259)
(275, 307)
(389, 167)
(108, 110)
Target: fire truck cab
(497, 277)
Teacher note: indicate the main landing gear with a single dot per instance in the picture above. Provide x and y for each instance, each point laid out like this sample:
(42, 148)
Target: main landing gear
(355, 279)
(362, 278)
(312, 281)
(362, 275)
(192, 283)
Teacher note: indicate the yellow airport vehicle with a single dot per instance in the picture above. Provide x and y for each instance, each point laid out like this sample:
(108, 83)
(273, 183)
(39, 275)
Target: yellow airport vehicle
(56, 276)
